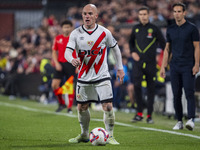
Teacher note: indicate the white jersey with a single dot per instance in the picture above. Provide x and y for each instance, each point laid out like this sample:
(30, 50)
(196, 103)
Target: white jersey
(91, 48)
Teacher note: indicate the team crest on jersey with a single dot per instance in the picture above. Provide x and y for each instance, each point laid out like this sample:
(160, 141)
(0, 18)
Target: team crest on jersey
(60, 41)
(150, 31)
(78, 96)
(90, 43)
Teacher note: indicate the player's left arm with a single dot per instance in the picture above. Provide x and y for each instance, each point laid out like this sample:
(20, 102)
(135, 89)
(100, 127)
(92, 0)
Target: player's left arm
(195, 69)
(112, 43)
(118, 57)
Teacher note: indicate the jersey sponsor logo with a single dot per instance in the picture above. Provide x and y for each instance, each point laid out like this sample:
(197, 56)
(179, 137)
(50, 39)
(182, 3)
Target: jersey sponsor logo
(95, 50)
(90, 52)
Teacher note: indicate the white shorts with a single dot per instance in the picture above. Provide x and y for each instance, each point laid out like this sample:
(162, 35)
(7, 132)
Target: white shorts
(90, 92)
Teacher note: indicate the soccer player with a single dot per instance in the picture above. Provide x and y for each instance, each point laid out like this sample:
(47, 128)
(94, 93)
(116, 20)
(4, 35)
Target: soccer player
(91, 41)
(143, 42)
(183, 45)
(62, 67)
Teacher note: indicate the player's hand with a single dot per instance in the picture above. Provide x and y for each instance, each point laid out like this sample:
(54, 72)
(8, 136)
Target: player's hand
(120, 75)
(135, 56)
(195, 69)
(76, 62)
(162, 72)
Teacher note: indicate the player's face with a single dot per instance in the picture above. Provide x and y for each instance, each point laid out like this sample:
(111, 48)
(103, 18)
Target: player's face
(178, 13)
(66, 28)
(90, 16)
(143, 16)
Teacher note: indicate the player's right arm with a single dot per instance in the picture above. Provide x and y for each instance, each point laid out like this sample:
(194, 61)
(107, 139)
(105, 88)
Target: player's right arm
(134, 55)
(68, 56)
(55, 56)
(71, 45)
(165, 60)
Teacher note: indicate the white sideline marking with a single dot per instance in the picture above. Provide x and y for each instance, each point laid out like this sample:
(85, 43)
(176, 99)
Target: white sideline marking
(117, 123)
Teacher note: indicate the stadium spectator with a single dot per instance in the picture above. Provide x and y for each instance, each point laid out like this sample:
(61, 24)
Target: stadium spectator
(194, 13)
(183, 45)
(46, 70)
(92, 40)
(143, 43)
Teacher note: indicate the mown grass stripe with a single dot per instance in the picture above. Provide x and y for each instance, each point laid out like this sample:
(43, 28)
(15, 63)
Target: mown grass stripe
(93, 119)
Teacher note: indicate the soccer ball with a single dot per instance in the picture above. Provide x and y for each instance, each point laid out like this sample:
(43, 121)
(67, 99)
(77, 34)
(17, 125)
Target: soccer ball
(98, 136)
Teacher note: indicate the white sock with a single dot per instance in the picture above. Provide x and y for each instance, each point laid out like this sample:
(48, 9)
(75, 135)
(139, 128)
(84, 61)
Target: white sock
(84, 120)
(109, 119)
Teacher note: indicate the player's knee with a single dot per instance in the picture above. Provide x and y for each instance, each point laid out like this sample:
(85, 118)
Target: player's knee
(82, 107)
(107, 106)
(54, 85)
(130, 87)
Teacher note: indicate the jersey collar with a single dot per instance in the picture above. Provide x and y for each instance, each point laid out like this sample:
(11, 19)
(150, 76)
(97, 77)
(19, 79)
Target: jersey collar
(90, 31)
(145, 24)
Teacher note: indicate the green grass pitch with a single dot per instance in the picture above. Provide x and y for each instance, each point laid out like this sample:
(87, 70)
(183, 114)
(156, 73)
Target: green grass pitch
(29, 125)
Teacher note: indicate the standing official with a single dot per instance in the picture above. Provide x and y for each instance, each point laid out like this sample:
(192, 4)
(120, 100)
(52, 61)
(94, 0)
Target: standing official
(62, 67)
(143, 43)
(183, 44)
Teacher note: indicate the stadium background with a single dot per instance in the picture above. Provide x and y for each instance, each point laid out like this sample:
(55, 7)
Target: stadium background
(28, 27)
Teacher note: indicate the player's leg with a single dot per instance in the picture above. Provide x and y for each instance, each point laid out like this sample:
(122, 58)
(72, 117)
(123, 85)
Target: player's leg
(84, 94)
(176, 82)
(138, 76)
(109, 121)
(84, 120)
(189, 84)
(109, 117)
(150, 78)
(104, 90)
(69, 71)
(55, 86)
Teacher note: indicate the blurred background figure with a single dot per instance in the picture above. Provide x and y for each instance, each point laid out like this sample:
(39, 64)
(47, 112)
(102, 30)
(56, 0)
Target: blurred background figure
(183, 47)
(62, 67)
(47, 71)
(143, 42)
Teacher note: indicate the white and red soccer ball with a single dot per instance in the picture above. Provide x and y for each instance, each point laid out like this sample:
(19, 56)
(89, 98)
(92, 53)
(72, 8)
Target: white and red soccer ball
(99, 136)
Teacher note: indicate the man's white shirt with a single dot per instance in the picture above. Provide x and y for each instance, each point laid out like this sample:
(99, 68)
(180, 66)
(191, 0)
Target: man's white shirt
(91, 48)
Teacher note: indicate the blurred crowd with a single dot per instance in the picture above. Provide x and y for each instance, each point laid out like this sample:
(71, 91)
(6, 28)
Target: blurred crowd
(23, 53)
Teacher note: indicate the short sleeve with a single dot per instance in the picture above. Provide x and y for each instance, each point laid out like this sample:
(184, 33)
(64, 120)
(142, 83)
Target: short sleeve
(54, 46)
(195, 34)
(168, 36)
(111, 40)
(72, 40)
(132, 40)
